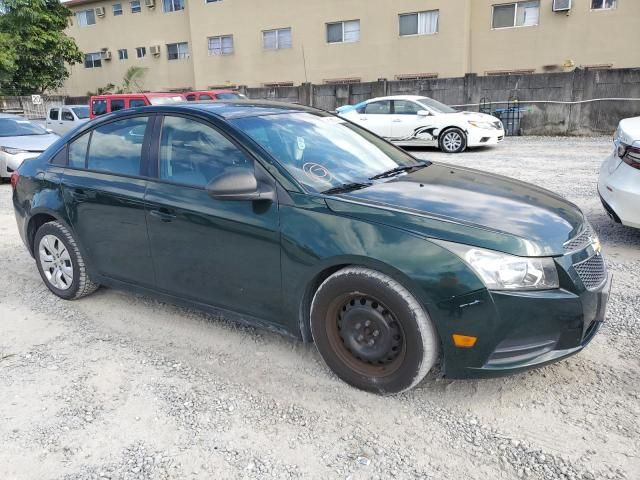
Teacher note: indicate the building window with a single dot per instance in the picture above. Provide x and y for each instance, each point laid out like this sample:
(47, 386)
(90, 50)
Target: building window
(117, 9)
(420, 23)
(222, 45)
(93, 60)
(176, 51)
(276, 39)
(123, 54)
(172, 5)
(141, 52)
(135, 6)
(521, 14)
(343, 32)
(603, 4)
(86, 17)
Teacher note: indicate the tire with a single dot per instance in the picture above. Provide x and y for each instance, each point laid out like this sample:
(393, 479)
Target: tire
(60, 263)
(391, 361)
(452, 140)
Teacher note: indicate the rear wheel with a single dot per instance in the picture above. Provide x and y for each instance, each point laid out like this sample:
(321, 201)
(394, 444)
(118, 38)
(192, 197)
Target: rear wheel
(60, 262)
(453, 140)
(372, 332)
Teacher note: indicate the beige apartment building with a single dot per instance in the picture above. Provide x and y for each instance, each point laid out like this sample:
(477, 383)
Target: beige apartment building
(200, 44)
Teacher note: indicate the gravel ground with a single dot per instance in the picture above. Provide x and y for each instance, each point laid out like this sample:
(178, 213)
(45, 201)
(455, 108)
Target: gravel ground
(122, 386)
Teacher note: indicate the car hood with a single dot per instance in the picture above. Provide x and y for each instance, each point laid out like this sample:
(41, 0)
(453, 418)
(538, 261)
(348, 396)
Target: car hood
(32, 143)
(473, 117)
(470, 207)
(630, 131)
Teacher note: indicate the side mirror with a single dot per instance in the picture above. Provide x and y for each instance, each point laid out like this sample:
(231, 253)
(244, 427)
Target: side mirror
(423, 113)
(239, 184)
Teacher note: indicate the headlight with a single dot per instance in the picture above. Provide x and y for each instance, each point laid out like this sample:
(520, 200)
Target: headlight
(12, 151)
(484, 125)
(501, 271)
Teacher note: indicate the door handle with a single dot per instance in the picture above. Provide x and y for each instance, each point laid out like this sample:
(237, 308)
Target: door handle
(164, 214)
(396, 120)
(363, 119)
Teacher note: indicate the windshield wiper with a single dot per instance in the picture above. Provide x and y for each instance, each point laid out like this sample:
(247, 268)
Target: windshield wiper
(397, 170)
(347, 187)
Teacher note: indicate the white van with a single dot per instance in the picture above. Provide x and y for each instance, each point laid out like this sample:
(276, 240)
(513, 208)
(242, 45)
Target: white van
(62, 119)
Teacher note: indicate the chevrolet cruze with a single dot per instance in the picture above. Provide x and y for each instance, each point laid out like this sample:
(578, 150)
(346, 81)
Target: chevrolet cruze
(302, 222)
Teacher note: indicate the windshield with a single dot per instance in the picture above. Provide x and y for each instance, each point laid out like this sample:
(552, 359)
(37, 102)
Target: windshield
(81, 112)
(436, 106)
(323, 152)
(18, 127)
(229, 96)
(166, 100)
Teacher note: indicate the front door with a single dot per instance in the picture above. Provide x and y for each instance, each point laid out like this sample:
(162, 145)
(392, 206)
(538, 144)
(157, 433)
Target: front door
(224, 253)
(407, 125)
(67, 121)
(104, 195)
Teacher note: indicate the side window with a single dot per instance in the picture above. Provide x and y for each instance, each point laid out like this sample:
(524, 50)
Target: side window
(99, 107)
(378, 108)
(403, 107)
(117, 146)
(191, 98)
(205, 97)
(67, 116)
(193, 153)
(53, 114)
(117, 105)
(137, 102)
(78, 151)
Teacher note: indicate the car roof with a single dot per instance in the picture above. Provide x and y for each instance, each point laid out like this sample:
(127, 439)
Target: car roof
(70, 106)
(230, 109)
(12, 115)
(399, 97)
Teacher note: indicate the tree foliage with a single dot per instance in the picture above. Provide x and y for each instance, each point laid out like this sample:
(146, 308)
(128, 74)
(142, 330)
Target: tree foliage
(39, 50)
(132, 82)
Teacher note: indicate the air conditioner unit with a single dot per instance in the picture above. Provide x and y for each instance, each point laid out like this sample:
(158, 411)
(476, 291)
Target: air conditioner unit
(106, 54)
(561, 5)
(154, 50)
(149, 3)
(99, 11)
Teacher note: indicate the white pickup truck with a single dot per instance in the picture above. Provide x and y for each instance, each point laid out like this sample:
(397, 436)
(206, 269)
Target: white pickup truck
(62, 119)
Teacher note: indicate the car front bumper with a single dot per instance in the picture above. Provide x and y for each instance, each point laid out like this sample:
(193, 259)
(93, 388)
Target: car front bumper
(518, 331)
(478, 137)
(619, 189)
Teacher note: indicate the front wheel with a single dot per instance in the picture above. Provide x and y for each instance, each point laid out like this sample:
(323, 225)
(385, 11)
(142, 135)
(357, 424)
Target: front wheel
(453, 140)
(372, 332)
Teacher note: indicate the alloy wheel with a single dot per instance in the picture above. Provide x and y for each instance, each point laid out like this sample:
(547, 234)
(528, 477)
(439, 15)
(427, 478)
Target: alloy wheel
(452, 141)
(55, 262)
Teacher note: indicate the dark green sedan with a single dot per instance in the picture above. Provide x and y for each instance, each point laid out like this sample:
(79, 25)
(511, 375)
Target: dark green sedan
(295, 220)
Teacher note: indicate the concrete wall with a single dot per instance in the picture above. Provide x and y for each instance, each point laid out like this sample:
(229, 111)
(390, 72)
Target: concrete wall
(580, 102)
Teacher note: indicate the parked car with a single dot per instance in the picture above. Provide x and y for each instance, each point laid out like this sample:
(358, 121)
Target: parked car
(410, 120)
(619, 182)
(305, 223)
(62, 119)
(19, 139)
(103, 104)
(213, 95)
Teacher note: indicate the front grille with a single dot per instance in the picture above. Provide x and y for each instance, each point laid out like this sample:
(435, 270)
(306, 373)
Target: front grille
(592, 272)
(581, 241)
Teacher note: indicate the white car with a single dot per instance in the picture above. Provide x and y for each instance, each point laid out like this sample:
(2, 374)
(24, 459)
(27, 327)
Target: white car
(408, 120)
(619, 182)
(20, 139)
(62, 119)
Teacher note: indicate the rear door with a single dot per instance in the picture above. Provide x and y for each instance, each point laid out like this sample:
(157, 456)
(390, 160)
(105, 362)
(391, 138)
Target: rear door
(52, 120)
(376, 116)
(224, 253)
(103, 188)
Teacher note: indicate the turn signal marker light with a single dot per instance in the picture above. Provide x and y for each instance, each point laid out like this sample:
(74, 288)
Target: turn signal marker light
(464, 341)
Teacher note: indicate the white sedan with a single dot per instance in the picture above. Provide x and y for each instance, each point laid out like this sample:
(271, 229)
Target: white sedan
(20, 139)
(619, 182)
(408, 120)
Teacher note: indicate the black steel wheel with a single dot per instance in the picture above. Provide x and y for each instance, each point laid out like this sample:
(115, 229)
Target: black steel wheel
(372, 332)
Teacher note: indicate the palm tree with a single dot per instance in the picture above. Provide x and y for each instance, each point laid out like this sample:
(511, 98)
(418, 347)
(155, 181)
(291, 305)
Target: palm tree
(133, 80)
